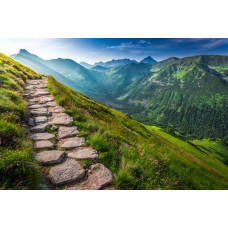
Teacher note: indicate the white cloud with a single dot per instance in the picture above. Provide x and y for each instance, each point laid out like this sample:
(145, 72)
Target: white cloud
(124, 45)
(215, 43)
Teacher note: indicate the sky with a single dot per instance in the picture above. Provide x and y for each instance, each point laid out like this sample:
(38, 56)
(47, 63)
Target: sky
(93, 50)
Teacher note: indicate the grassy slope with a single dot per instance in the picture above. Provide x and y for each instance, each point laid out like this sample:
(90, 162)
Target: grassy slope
(17, 167)
(138, 157)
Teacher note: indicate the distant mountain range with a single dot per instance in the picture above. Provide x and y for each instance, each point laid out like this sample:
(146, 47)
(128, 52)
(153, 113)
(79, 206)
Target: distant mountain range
(189, 95)
(119, 62)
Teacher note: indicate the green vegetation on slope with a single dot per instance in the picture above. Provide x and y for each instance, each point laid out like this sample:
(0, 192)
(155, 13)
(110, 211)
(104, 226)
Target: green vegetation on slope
(18, 170)
(188, 96)
(139, 158)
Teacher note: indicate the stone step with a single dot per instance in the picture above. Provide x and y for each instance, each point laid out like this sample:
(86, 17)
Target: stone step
(40, 127)
(38, 94)
(99, 176)
(65, 132)
(51, 104)
(71, 143)
(67, 172)
(30, 103)
(39, 112)
(46, 99)
(61, 119)
(43, 144)
(82, 153)
(50, 157)
(36, 106)
(40, 119)
(42, 136)
(57, 109)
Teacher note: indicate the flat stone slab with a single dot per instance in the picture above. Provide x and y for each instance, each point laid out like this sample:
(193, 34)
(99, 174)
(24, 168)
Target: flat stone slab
(42, 136)
(40, 119)
(61, 119)
(39, 93)
(46, 99)
(65, 132)
(40, 127)
(31, 102)
(99, 176)
(51, 104)
(35, 106)
(83, 153)
(67, 172)
(28, 87)
(57, 109)
(43, 144)
(39, 112)
(50, 157)
(70, 143)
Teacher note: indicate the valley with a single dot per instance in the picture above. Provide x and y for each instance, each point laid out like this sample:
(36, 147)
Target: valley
(189, 95)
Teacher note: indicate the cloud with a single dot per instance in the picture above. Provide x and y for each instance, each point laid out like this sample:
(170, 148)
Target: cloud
(131, 45)
(124, 45)
(215, 43)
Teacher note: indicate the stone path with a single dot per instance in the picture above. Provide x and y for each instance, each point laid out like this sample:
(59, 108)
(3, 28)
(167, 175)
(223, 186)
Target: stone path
(57, 147)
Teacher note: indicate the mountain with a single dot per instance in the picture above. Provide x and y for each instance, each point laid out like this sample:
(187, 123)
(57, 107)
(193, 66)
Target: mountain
(159, 65)
(100, 68)
(148, 59)
(66, 71)
(189, 96)
(115, 63)
(122, 76)
(140, 156)
(86, 65)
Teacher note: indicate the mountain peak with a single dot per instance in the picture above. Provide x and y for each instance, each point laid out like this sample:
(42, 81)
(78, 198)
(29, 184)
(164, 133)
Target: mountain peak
(23, 51)
(148, 59)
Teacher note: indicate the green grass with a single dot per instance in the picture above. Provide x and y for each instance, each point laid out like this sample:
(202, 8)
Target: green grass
(217, 147)
(152, 161)
(18, 170)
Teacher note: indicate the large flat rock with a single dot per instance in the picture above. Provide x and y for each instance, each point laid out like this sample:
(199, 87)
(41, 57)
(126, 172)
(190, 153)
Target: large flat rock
(67, 172)
(83, 153)
(40, 119)
(57, 109)
(40, 127)
(65, 132)
(46, 99)
(36, 106)
(51, 104)
(39, 112)
(39, 93)
(32, 102)
(61, 119)
(42, 136)
(99, 176)
(43, 144)
(50, 157)
(70, 143)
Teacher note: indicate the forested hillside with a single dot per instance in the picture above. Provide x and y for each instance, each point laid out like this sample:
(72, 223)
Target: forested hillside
(188, 96)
